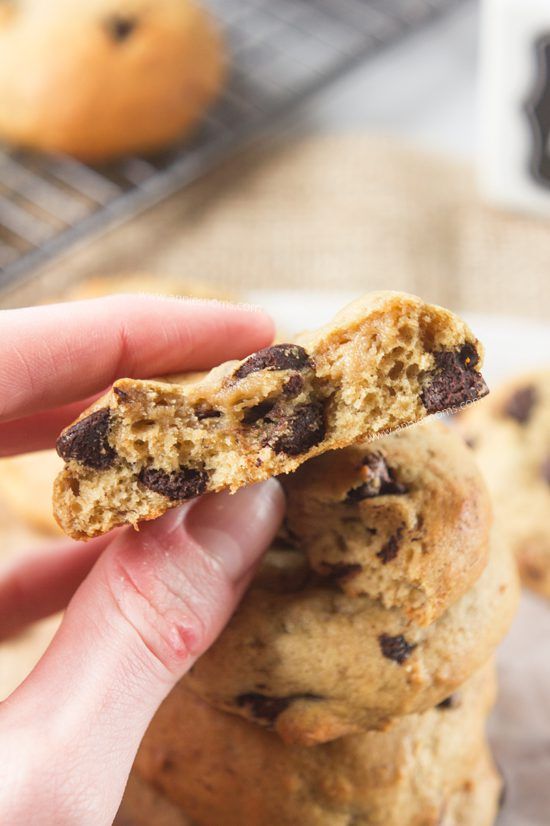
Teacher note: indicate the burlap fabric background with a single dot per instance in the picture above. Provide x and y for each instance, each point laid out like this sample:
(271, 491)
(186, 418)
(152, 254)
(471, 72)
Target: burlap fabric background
(345, 212)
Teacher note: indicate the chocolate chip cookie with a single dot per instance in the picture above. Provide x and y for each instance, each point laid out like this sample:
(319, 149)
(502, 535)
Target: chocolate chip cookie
(26, 488)
(385, 361)
(404, 519)
(305, 659)
(222, 770)
(102, 78)
(26, 480)
(510, 435)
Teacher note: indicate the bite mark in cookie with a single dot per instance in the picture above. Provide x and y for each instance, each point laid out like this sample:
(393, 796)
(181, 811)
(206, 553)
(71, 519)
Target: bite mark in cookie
(277, 357)
(380, 480)
(179, 485)
(396, 648)
(454, 382)
(267, 708)
(520, 404)
(87, 441)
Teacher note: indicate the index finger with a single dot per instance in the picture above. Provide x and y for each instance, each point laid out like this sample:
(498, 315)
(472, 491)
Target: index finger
(56, 354)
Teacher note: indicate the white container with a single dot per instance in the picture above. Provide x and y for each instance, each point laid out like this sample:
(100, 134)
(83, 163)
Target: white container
(514, 101)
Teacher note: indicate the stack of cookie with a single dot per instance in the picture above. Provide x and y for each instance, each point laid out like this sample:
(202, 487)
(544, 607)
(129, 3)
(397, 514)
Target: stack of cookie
(367, 636)
(353, 682)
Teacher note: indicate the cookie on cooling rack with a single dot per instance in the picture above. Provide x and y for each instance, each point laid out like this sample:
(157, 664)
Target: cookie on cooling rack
(103, 78)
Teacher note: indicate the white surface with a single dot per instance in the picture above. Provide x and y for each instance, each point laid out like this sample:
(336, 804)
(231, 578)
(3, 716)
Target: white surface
(520, 726)
(423, 89)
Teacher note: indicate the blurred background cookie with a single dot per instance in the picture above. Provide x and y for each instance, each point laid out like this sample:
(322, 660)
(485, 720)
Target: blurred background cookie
(510, 434)
(26, 488)
(102, 78)
(143, 282)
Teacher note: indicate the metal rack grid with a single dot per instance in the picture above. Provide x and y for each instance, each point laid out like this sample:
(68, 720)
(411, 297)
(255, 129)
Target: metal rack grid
(281, 52)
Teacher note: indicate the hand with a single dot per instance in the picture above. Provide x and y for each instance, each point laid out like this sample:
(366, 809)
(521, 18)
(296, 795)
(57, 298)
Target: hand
(142, 606)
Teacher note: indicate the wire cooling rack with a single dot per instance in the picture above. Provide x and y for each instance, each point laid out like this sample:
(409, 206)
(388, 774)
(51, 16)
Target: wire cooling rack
(281, 52)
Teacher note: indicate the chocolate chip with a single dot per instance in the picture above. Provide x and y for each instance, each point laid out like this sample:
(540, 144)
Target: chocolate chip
(87, 441)
(259, 411)
(119, 27)
(294, 386)
(470, 442)
(178, 485)
(380, 480)
(545, 470)
(277, 357)
(268, 708)
(468, 355)
(396, 648)
(390, 550)
(454, 382)
(340, 571)
(449, 703)
(122, 395)
(520, 405)
(202, 411)
(298, 432)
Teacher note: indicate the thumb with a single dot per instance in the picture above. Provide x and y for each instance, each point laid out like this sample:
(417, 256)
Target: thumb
(154, 601)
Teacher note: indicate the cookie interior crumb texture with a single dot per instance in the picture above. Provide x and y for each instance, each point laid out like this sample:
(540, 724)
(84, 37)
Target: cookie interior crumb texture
(385, 361)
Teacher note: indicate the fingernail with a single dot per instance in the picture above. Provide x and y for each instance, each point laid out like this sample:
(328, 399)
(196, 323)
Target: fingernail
(235, 529)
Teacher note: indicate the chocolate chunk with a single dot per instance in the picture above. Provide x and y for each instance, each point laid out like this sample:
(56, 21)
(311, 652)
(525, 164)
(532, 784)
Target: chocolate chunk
(259, 411)
(120, 28)
(390, 550)
(298, 432)
(545, 470)
(468, 356)
(339, 571)
(122, 395)
(277, 357)
(294, 386)
(178, 485)
(449, 703)
(202, 411)
(454, 382)
(396, 648)
(380, 480)
(268, 708)
(520, 405)
(87, 441)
